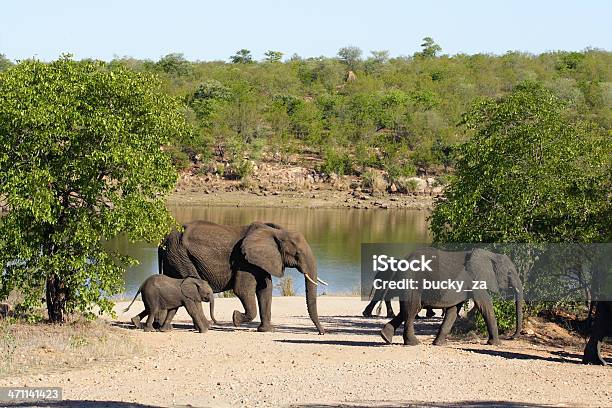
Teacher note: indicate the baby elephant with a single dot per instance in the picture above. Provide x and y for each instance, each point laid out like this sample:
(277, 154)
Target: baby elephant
(163, 295)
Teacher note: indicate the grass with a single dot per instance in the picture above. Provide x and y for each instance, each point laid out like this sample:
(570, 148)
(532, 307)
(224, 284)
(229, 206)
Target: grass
(27, 348)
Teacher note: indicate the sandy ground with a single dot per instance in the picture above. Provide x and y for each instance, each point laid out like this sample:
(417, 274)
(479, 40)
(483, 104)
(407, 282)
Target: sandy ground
(348, 366)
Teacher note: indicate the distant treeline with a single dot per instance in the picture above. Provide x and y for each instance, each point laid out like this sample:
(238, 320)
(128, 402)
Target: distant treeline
(398, 114)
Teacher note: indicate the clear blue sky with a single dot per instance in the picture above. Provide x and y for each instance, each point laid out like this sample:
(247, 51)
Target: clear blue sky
(209, 30)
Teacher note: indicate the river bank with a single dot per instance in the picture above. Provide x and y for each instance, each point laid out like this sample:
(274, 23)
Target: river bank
(292, 186)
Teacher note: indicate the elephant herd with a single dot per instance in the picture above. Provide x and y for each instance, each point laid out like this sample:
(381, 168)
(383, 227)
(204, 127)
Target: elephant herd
(206, 258)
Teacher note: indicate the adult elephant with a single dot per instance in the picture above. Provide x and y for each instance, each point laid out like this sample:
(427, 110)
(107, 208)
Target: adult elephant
(602, 327)
(242, 258)
(496, 270)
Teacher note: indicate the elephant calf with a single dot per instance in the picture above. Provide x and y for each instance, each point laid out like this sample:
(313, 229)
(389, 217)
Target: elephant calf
(162, 294)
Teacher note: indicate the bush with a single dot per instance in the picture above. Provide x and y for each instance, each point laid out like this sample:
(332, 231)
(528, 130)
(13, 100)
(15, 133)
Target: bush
(286, 286)
(180, 159)
(239, 169)
(337, 162)
(505, 313)
(373, 181)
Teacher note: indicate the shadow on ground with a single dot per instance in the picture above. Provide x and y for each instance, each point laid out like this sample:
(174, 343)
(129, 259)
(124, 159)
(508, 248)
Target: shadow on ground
(79, 404)
(513, 355)
(355, 325)
(400, 404)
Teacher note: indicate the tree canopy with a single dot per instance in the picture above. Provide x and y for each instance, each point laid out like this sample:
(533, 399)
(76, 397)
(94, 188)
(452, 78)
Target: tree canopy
(529, 173)
(81, 161)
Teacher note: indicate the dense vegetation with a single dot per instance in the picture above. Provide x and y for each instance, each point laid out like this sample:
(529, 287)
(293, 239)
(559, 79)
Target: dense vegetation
(527, 135)
(532, 173)
(397, 114)
(80, 163)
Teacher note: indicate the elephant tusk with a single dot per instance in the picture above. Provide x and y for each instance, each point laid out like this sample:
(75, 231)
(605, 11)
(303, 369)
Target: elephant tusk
(322, 281)
(310, 279)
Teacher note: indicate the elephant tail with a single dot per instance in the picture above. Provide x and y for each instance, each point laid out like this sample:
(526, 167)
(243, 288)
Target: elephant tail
(133, 300)
(160, 258)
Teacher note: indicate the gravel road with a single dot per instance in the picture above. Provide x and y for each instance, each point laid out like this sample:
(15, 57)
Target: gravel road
(349, 366)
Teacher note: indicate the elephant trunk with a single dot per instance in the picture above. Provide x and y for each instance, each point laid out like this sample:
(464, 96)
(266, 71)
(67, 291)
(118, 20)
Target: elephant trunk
(519, 301)
(310, 271)
(212, 308)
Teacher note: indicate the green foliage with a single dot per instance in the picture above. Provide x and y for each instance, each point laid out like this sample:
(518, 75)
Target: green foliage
(337, 161)
(530, 173)
(242, 168)
(273, 56)
(5, 63)
(80, 163)
(174, 64)
(242, 56)
(505, 313)
(430, 48)
(351, 56)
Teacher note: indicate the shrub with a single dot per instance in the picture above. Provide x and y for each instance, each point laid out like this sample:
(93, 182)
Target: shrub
(337, 162)
(505, 313)
(373, 181)
(180, 159)
(286, 286)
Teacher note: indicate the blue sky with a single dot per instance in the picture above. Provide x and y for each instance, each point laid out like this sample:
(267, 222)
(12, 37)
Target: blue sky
(205, 30)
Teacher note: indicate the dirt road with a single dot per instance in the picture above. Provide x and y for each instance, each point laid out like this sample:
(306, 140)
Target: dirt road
(348, 366)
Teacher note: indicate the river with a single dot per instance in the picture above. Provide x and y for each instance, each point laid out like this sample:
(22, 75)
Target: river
(335, 236)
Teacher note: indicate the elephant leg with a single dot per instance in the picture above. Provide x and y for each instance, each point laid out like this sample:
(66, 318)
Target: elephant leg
(388, 329)
(167, 323)
(264, 300)
(592, 352)
(389, 309)
(160, 319)
(245, 286)
(377, 297)
(408, 315)
(197, 315)
(446, 326)
(601, 328)
(367, 312)
(136, 319)
(150, 319)
(485, 305)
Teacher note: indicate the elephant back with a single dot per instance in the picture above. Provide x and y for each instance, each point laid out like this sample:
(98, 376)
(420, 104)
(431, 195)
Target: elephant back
(210, 249)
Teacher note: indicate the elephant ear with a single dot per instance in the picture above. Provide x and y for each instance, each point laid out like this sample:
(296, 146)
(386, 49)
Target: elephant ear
(480, 265)
(189, 289)
(261, 249)
(502, 265)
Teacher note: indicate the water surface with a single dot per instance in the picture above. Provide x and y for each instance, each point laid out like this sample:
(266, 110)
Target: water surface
(335, 236)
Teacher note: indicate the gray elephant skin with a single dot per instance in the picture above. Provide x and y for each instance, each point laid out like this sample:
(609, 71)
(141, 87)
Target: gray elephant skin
(602, 328)
(243, 259)
(496, 270)
(163, 295)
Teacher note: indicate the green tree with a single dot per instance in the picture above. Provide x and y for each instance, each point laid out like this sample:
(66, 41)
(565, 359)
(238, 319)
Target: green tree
(530, 173)
(380, 57)
(80, 162)
(430, 48)
(242, 56)
(5, 63)
(174, 64)
(273, 56)
(351, 56)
